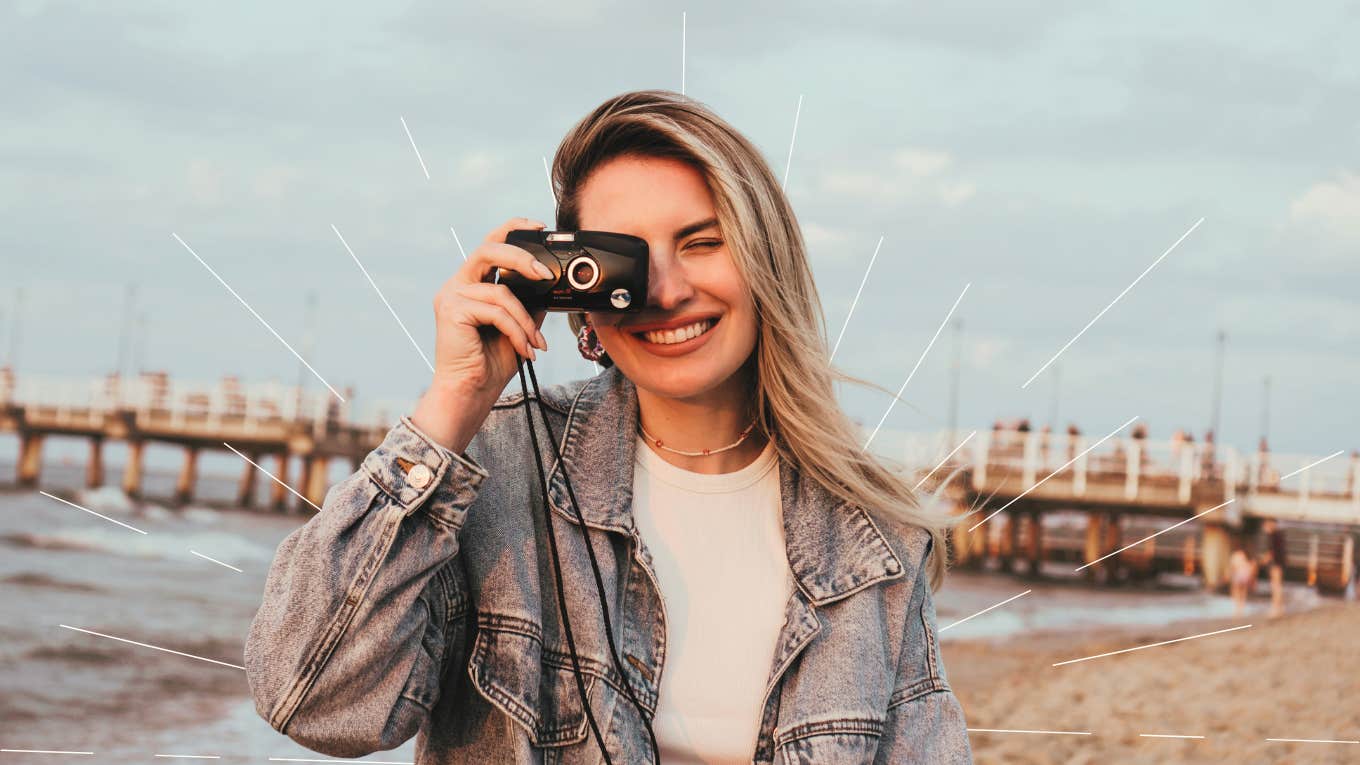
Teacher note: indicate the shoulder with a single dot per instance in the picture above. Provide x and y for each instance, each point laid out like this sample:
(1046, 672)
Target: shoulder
(911, 543)
(506, 426)
(557, 397)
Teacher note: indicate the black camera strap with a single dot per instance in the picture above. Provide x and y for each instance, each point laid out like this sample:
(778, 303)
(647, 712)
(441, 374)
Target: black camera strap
(594, 565)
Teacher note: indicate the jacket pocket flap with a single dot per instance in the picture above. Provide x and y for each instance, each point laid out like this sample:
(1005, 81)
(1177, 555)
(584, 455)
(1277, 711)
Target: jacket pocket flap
(536, 687)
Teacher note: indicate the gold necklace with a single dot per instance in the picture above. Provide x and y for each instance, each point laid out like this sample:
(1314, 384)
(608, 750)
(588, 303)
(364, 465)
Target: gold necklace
(701, 452)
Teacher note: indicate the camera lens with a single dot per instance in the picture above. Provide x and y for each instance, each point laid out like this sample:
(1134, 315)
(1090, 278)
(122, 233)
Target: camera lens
(583, 273)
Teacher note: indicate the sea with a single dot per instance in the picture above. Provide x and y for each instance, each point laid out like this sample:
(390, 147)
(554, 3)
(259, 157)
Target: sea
(117, 643)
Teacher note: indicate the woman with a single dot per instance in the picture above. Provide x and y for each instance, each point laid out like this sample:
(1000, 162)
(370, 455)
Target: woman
(767, 583)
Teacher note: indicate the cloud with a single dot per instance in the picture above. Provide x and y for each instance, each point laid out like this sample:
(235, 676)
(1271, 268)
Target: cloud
(1332, 206)
(477, 168)
(912, 175)
(922, 163)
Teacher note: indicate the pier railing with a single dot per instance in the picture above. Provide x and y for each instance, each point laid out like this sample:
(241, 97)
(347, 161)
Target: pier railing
(1293, 486)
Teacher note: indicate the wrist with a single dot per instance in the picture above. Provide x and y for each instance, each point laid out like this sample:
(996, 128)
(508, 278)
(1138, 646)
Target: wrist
(448, 413)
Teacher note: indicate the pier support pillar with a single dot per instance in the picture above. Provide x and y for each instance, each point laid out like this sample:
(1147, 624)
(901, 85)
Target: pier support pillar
(1214, 551)
(30, 459)
(1094, 546)
(1113, 541)
(245, 490)
(1034, 543)
(184, 487)
(1010, 542)
(278, 495)
(132, 470)
(94, 469)
(315, 484)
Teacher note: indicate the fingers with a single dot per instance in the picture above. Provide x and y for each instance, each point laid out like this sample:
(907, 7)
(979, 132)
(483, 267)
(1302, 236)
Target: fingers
(500, 295)
(492, 255)
(494, 315)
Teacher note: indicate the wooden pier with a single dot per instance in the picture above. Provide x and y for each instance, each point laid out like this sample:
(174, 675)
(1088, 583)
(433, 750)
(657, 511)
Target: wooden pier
(1130, 488)
(268, 424)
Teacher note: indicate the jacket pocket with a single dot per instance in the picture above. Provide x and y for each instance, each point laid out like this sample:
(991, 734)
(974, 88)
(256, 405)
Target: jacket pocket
(840, 740)
(534, 685)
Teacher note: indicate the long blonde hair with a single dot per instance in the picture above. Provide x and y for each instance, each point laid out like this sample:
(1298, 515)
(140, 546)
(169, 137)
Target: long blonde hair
(794, 399)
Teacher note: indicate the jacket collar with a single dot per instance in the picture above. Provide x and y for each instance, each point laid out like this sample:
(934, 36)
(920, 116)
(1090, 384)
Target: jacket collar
(834, 549)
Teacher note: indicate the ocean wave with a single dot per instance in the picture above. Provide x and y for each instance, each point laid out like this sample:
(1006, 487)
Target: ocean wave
(168, 545)
(30, 579)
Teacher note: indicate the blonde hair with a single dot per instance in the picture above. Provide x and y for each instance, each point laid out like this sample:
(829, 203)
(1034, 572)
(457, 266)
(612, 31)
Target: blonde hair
(794, 399)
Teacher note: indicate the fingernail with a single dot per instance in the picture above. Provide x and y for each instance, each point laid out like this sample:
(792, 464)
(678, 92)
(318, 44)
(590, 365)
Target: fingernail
(542, 341)
(543, 270)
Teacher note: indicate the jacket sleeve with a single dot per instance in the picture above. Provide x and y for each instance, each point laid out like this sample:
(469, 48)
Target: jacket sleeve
(925, 722)
(363, 605)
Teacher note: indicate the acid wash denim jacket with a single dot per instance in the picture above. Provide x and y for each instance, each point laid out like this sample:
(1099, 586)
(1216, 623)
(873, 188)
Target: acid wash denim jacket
(421, 601)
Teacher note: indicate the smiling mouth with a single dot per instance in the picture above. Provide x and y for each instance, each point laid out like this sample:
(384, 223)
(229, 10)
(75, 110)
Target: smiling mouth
(678, 335)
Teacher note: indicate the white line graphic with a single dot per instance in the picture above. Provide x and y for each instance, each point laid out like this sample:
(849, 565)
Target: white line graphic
(1055, 472)
(414, 148)
(148, 645)
(1150, 536)
(271, 476)
(985, 610)
(1153, 645)
(855, 302)
(257, 316)
(1112, 302)
(918, 366)
(383, 298)
(91, 512)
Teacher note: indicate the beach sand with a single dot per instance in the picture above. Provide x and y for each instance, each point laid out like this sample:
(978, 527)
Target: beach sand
(1294, 677)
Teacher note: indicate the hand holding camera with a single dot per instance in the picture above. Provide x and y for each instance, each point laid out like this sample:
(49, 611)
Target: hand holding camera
(482, 324)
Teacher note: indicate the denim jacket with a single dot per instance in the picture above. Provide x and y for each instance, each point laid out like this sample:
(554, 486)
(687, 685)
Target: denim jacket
(421, 601)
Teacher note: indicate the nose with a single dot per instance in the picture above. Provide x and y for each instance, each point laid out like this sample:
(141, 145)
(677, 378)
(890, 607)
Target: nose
(667, 284)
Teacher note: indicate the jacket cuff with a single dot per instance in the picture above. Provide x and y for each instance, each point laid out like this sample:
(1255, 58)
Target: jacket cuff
(414, 470)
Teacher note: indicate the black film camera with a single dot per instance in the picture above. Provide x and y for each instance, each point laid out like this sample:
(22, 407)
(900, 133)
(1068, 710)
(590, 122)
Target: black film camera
(595, 270)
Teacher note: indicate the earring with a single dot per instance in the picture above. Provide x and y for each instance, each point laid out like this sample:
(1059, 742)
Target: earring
(588, 344)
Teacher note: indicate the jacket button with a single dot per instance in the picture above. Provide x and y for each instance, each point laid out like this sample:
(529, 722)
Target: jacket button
(419, 476)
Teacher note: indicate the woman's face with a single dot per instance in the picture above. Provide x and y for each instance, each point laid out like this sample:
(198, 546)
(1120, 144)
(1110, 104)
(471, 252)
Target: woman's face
(692, 279)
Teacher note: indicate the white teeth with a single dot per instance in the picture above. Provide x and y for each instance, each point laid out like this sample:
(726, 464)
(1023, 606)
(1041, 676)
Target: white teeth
(669, 336)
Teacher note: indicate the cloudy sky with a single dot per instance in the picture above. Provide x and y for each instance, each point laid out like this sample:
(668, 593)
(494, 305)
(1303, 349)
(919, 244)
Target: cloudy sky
(1044, 153)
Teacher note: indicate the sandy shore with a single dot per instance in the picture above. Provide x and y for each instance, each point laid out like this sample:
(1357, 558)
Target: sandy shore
(1294, 677)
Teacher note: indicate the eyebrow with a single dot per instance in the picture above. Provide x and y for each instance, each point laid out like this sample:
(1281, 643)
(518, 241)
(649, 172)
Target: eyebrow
(696, 227)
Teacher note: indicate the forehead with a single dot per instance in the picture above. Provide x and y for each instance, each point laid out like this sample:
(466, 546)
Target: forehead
(644, 195)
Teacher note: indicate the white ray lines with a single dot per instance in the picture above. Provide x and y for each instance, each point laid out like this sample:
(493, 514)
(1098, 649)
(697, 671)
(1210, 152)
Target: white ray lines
(257, 316)
(985, 610)
(789, 163)
(271, 476)
(855, 302)
(1055, 472)
(91, 512)
(946, 459)
(148, 645)
(1150, 536)
(459, 243)
(552, 191)
(1311, 464)
(1152, 645)
(1112, 302)
(214, 560)
(414, 147)
(1046, 732)
(383, 298)
(1313, 740)
(682, 53)
(42, 751)
(1164, 735)
(918, 366)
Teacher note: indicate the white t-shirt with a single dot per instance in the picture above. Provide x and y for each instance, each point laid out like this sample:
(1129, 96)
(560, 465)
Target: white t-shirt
(717, 545)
